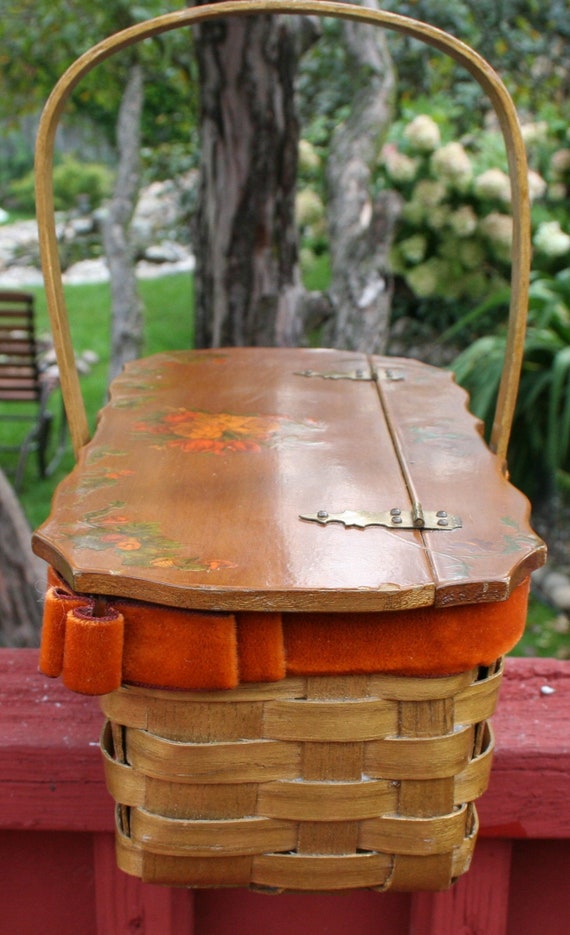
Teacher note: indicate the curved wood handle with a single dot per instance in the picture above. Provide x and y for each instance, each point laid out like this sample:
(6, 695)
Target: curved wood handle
(461, 53)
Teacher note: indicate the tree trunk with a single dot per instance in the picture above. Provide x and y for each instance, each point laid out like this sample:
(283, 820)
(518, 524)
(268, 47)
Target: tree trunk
(126, 306)
(361, 225)
(22, 575)
(247, 276)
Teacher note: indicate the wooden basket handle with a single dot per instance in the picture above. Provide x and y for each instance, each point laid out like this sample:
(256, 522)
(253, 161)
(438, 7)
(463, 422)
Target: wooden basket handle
(461, 53)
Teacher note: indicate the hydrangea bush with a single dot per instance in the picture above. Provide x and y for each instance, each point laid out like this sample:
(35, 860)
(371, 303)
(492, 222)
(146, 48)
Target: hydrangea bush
(454, 238)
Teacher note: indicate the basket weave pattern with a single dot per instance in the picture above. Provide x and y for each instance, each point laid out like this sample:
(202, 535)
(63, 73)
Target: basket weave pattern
(305, 784)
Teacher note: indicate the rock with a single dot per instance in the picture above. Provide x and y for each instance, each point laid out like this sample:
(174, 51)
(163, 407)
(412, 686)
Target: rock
(560, 596)
(554, 586)
(168, 251)
(87, 271)
(147, 270)
(160, 231)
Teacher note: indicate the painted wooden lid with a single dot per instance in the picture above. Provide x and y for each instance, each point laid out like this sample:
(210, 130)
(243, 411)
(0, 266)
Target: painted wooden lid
(192, 489)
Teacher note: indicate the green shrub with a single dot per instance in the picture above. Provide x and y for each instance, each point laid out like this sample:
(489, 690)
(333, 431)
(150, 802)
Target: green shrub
(73, 181)
(539, 458)
(452, 245)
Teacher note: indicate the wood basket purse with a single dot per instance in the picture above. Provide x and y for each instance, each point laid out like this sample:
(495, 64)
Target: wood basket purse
(292, 575)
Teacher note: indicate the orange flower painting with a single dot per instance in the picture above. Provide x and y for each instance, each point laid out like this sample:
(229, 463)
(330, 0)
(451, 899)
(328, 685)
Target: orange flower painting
(136, 543)
(193, 430)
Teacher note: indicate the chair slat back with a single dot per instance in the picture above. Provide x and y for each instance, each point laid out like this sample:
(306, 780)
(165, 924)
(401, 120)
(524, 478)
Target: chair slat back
(19, 373)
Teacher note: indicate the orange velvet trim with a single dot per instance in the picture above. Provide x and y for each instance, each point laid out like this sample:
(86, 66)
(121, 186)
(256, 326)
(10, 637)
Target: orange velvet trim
(170, 648)
(163, 647)
(57, 604)
(422, 642)
(93, 655)
(167, 647)
(260, 647)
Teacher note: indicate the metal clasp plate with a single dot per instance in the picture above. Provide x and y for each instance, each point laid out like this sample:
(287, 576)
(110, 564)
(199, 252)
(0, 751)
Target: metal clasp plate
(396, 518)
(360, 374)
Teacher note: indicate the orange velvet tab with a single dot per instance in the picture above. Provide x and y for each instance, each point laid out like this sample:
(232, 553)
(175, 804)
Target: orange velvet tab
(422, 642)
(57, 604)
(170, 648)
(163, 647)
(260, 647)
(93, 654)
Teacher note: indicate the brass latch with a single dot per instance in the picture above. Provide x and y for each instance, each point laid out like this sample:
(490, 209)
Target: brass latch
(396, 518)
(359, 375)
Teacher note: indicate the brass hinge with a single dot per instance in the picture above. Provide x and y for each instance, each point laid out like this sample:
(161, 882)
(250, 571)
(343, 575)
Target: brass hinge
(416, 518)
(358, 375)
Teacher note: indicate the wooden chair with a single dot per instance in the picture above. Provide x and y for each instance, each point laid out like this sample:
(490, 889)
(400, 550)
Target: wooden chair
(292, 703)
(26, 389)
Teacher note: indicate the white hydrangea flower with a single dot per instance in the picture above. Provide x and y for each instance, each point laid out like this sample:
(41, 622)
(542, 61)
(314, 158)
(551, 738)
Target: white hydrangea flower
(536, 185)
(429, 192)
(560, 163)
(413, 249)
(551, 240)
(463, 222)
(438, 217)
(423, 133)
(471, 254)
(557, 191)
(494, 184)
(400, 168)
(308, 207)
(414, 211)
(534, 132)
(498, 228)
(423, 280)
(309, 159)
(452, 164)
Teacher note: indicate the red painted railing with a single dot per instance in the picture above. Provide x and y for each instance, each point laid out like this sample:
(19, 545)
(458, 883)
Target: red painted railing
(58, 874)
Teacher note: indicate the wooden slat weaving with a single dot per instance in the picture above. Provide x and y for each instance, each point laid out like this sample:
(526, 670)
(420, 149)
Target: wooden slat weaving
(256, 789)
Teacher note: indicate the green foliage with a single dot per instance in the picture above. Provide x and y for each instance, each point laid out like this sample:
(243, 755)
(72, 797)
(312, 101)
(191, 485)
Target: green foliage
(62, 31)
(72, 180)
(546, 633)
(18, 157)
(540, 451)
(527, 41)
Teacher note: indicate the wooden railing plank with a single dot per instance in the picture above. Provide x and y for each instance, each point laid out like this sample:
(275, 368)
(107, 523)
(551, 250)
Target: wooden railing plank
(478, 904)
(125, 905)
(51, 779)
(528, 793)
(50, 764)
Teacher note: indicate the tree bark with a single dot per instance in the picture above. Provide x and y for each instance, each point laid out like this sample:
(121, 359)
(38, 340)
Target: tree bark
(126, 306)
(247, 275)
(360, 225)
(248, 287)
(22, 575)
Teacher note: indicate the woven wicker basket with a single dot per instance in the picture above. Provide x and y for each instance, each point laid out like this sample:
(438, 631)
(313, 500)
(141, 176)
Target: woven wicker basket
(306, 784)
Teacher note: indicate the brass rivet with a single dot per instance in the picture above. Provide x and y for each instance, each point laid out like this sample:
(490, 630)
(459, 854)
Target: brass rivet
(322, 514)
(395, 512)
(397, 519)
(441, 513)
(443, 522)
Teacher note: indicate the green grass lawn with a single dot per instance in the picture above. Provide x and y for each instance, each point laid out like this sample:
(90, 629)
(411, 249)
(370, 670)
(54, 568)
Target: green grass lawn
(168, 305)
